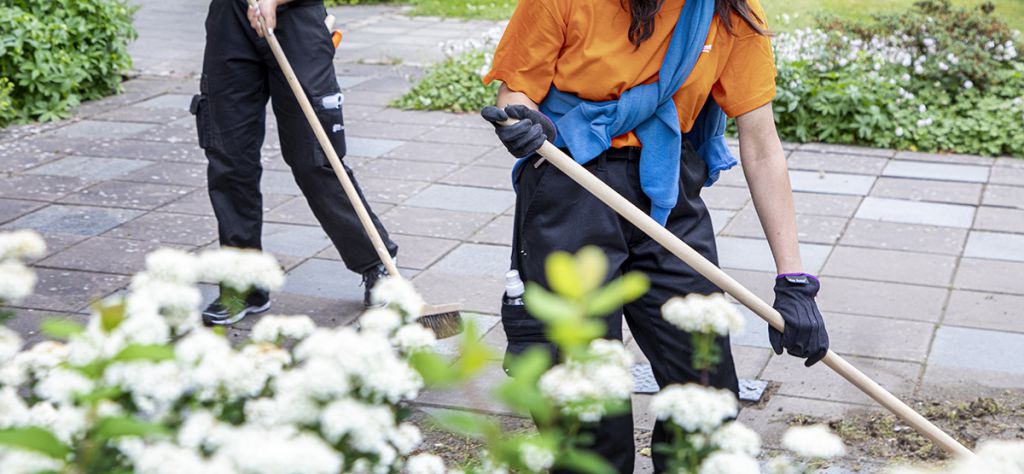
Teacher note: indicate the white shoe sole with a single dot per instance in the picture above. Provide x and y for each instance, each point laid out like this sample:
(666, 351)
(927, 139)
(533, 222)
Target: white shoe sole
(238, 317)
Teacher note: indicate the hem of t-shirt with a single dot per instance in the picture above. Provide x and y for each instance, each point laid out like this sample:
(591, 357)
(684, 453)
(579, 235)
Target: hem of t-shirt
(741, 108)
(505, 75)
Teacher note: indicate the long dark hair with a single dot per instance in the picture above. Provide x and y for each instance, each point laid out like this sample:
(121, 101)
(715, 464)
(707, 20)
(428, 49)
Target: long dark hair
(641, 25)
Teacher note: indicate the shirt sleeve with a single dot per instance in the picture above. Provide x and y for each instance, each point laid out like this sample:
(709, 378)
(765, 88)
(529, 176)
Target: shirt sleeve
(748, 78)
(526, 55)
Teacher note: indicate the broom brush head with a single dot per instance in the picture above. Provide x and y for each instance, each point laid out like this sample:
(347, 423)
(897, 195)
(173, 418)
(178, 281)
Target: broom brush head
(445, 321)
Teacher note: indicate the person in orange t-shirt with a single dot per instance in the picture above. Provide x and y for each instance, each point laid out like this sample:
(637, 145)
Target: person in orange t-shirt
(596, 50)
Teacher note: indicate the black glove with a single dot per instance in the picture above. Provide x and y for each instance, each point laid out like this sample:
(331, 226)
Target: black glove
(805, 334)
(526, 136)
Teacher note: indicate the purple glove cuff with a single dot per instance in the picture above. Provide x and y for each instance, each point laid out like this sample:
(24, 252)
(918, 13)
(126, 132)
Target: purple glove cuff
(808, 275)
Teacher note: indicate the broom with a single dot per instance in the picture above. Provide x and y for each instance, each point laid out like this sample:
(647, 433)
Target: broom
(674, 244)
(444, 321)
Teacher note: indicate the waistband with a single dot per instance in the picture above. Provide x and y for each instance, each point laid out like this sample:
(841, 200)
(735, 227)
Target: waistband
(625, 153)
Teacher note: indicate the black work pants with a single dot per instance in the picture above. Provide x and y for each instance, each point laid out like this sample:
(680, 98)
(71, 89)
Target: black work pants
(239, 75)
(554, 213)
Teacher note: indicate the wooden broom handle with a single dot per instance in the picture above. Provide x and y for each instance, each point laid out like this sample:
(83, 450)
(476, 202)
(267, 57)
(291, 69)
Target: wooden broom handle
(649, 226)
(328, 147)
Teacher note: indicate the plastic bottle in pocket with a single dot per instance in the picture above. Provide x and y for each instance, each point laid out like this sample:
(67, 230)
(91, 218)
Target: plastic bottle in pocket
(514, 289)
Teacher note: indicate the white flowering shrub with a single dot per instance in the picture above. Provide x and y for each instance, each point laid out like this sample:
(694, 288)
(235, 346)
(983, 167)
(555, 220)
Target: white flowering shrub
(144, 388)
(933, 78)
(455, 84)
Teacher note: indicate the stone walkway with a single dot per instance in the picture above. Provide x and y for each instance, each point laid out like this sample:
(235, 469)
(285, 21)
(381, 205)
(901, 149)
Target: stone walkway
(922, 256)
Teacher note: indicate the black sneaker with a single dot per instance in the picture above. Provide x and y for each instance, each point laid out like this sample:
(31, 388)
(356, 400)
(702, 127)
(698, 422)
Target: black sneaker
(370, 279)
(217, 314)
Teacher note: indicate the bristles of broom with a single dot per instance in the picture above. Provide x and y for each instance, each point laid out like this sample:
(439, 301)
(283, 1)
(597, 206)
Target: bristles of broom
(445, 321)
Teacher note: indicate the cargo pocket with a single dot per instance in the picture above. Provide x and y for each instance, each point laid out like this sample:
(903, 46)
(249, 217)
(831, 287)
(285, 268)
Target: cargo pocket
(329, 111)
(523, 332)
(200, 107)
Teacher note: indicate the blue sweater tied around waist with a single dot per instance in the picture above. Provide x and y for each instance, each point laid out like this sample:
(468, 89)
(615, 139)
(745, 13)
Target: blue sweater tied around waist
(586, 128)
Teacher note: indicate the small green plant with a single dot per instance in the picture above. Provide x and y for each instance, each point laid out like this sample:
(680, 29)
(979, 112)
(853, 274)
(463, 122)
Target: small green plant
(56, 53)
(453, 85)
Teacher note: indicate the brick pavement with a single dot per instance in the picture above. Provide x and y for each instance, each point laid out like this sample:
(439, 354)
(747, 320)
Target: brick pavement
(922, 255)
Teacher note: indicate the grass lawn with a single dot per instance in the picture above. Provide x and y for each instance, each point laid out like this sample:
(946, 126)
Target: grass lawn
(802, 12)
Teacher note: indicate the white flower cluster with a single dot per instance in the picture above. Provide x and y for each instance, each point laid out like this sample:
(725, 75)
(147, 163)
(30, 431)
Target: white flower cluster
(694, 408)
(16, 279)
(458, 48)
(992, 457)
(703, 313)
(272, 328)
(814, 441)
(585, 388)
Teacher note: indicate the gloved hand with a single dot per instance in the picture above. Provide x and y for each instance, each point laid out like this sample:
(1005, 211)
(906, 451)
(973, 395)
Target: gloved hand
(804, 335)
(526, 136)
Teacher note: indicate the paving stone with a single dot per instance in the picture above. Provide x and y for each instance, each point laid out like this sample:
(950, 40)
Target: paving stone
(56, 243)
(909, 212)
(483, 324)
(899, 378)
(978, 349)
(450, 153)
(169, 228)
(995, 245)
(498, 232)
(725, 197)
(811, 229)
(856, 164)
(370, 147)
(26, 323)
(127, 194)
(754, 333)
(196, 203)
(1006, 196)
(816, 204)
(958, 383)
(890, 265)
(985, 311)
(944, 158)
(279, 182)
(434, 222)
(482, 177)
(928, 190)
(17, 163)
(324, 279)
(497, 157)
(295, 211)
(938, 171)
(847, 149)
(326, 312)
(170, 173)
(905, 237)
(413, 171)
(391, 191)
(11, 209)
(475, 293)
(97, 129)
(990, 275)
(468, 136)
(294, 240)
(1000, 219)
(878, 337)
(90, 167)
(413, 251)
(772, 420)
(831, 183)
(475, 259)
(66, 290)
(720, 219)
(895, 300)
(105, 255)
(167, 101)
(463, 198)
(750, 361)
(140, 115)
(761, 284)
(152, 151)
(393, 131)
(475, 395)
(77, 220)
(1005, 175)
(754, 254)
(347, 82)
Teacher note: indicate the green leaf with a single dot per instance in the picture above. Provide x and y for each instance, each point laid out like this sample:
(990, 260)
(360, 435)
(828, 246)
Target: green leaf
(560, 268)
(34, 439)
(154, 353)
(111, 313)
(61, 329)
(547, 306)
(591, 267)
(623, 290)
(116, 427)
(435, 370)
(468, 424)
(584, 462)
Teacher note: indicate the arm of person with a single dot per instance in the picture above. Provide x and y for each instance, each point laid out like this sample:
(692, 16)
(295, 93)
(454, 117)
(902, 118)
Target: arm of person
(268, 8)
(764, 166)
(508, 96)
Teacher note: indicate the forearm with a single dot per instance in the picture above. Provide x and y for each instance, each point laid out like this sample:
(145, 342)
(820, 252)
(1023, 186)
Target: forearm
(508, 96)
(764, 165)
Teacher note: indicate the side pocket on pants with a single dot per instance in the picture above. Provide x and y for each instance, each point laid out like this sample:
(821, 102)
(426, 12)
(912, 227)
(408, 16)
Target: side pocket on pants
(329, 111)
(523, 331)
(200, 107)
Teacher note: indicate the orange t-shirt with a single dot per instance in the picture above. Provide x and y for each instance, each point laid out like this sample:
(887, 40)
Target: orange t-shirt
(582, 47)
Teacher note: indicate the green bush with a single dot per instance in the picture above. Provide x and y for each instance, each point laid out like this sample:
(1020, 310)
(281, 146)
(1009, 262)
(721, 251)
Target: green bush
(453, 85)
(341, 3)
(56, 53)
(6, 103)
